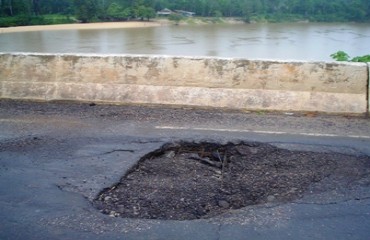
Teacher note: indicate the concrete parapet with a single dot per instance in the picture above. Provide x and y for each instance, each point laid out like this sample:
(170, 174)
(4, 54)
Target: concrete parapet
(207, 82)
(368, 86)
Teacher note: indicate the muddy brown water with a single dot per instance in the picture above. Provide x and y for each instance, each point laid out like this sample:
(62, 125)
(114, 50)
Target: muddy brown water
(300, 41)
(186, 181)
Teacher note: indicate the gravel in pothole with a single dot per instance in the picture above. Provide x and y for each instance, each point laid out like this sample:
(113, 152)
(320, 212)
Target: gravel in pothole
(185, 181)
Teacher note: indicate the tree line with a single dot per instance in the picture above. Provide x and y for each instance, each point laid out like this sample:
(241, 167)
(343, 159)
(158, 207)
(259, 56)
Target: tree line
(270, 10)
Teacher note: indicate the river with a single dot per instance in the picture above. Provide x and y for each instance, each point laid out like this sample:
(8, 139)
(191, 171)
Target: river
(287, 41)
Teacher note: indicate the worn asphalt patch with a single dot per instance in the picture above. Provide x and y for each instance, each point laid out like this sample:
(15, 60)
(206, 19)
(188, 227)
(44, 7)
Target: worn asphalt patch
(57, 157)
(186, 180)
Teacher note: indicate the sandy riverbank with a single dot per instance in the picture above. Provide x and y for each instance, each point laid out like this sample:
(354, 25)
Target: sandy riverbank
(80, 26)
(112, 25)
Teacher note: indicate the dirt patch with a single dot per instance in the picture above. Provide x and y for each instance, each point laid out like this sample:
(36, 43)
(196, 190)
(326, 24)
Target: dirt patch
(185, 181)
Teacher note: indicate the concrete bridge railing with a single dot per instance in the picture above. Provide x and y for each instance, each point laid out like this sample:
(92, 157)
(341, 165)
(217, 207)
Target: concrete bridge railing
(192, 81)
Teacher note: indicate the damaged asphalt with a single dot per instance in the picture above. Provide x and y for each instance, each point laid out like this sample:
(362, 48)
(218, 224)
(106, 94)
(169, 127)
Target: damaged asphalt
(56, 157)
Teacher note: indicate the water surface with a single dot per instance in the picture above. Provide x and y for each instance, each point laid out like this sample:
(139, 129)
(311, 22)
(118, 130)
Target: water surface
(299, 41)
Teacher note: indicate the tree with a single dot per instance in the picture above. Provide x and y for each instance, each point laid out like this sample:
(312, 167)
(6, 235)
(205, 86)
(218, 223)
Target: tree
(144, 12)
(35, 7)
(90, 10)
(86, 10)
(117, 12)
(357, 10)
(10, 7)
(149, 13)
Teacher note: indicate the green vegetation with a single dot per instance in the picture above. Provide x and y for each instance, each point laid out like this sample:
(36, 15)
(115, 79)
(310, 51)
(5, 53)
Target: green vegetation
(344, 57)
(23, 20)
(176, 18)
(365, 58)
(29, 12)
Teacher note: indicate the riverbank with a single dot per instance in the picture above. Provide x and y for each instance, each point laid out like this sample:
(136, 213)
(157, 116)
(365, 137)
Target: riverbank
(81, 26)
(202, 21)
(116, 25)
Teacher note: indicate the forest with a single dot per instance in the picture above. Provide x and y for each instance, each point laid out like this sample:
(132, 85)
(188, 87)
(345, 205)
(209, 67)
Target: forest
(32, 12)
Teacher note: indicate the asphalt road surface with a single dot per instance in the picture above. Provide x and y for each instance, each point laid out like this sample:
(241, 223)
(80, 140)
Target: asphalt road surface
(56, 157)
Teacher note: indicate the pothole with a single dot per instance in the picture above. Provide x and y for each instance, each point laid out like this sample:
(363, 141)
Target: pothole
(185, 181)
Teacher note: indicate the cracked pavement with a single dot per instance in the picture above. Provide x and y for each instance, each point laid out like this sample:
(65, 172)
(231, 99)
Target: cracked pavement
(56, 157)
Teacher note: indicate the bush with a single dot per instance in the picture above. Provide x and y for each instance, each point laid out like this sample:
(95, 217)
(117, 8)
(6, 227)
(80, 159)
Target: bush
(343, 56)
(57, 19)
(340, 56)
(24, 20)
(365, 58)
(14, 21)
(175, 17)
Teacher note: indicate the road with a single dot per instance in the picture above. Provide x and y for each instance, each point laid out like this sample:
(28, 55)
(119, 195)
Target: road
(56, 157)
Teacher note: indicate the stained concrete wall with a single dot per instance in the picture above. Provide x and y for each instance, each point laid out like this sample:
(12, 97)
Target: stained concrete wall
(368, 85)
(206, 82)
